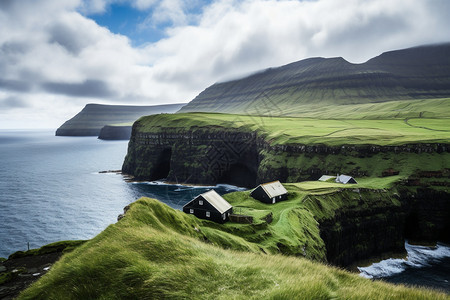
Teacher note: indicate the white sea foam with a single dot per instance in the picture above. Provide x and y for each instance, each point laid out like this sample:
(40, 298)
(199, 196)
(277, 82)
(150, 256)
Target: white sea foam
(183, 187)
(229, 187)
(418, 257)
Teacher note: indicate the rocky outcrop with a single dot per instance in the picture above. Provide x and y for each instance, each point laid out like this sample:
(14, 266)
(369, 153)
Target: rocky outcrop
(23, 268)
(115, 132)
(93, 117)
(382, 220)
(199, 156)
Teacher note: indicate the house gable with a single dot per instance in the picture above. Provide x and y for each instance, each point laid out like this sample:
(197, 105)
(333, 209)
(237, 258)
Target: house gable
(345, 179)
(210, 206)
(271, 192)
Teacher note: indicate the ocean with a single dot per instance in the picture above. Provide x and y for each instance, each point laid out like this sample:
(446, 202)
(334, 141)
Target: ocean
(51, 190)
(423, 266)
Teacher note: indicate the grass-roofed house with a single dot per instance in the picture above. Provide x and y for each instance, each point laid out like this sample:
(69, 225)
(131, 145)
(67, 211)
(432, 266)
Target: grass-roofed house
(271, 192)
(210, 206)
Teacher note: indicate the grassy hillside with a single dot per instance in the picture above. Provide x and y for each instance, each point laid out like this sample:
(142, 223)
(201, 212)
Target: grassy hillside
(311, 131)
(400, 109)
(156, 252)
(409, 74)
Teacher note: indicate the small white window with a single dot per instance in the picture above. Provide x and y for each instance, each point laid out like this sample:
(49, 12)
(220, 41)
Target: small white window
(208, 214)
(191, 210)
(224, 216)
(200, 202)
(273, 200)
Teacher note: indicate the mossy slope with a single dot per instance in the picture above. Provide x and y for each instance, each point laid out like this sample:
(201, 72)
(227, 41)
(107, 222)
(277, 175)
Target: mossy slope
(155, 252)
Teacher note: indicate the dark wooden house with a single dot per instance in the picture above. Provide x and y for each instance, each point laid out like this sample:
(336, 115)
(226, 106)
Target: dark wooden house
(345, 179)
(271, 192)
(210, 206)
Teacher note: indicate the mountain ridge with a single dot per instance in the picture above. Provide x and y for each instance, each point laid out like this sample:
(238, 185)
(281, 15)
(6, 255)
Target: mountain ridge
(415, 73)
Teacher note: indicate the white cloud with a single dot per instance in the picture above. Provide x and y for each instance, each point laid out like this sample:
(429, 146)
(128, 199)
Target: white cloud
(170, 11)
(54, 59)
(144, 4)
(94, 6)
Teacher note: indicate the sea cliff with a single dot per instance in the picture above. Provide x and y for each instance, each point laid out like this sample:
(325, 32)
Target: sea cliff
(245, 157)
(115, 132)
(369, 228)
(156, 252)
(354, 223)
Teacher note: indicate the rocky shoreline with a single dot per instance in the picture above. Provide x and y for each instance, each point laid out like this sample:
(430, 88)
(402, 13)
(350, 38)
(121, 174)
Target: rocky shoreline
(16, 274)
(21, 269)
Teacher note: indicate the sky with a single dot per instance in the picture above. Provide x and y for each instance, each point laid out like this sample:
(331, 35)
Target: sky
(58, 55)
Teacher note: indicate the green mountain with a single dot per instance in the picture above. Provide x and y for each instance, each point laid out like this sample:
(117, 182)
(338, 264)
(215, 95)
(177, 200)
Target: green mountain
(93, 117)
(314, 83)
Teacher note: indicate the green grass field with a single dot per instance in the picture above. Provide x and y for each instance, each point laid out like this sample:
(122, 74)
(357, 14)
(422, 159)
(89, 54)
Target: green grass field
(309, 131)
(398, 109)
(156, 252)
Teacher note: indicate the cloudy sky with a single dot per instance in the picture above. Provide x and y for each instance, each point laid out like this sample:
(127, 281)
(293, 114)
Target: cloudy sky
(58, 55)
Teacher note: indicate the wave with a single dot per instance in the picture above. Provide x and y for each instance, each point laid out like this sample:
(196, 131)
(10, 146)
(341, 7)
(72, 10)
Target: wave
(183, 187)
(229, 187)
(417, 257)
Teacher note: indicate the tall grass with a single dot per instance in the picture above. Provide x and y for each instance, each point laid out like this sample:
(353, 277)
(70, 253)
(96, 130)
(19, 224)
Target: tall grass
(144, 256)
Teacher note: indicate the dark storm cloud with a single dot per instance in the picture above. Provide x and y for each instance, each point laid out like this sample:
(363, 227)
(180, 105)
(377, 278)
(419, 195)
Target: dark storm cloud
(360, 37)
(5, 4)
(88, 88)
(14, 85)
(376, 28)
(12, 102)
(14, 48)
(69, 38)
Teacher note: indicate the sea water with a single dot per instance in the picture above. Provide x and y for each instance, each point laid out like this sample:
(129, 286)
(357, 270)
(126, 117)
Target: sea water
(51, 190)
(423, 266)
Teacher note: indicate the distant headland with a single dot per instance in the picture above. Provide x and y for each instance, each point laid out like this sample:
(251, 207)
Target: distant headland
(93, 117)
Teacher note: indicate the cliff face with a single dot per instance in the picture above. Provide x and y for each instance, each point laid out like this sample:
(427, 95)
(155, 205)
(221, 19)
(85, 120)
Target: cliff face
(109, 132)
(93, 117)
(375, 222)
(205, 156)
(364, 231)
(199, 157)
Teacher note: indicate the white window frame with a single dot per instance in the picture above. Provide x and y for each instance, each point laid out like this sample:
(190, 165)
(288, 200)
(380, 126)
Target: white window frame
(191, 210)
(200, 202)
(208, 214)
